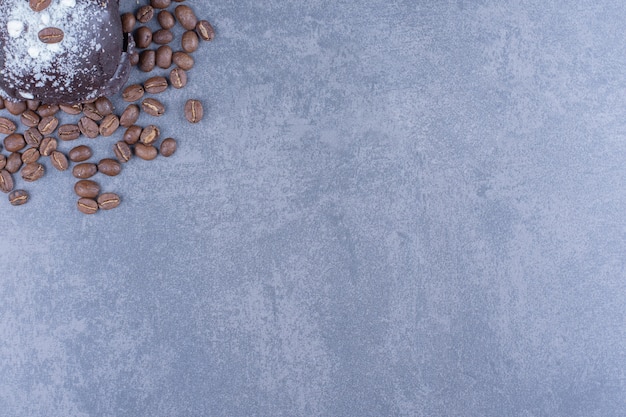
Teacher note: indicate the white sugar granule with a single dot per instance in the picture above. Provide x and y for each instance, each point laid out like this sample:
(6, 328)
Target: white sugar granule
(15, 28)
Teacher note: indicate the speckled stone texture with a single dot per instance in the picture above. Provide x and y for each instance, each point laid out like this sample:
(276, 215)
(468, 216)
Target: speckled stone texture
(391, 208)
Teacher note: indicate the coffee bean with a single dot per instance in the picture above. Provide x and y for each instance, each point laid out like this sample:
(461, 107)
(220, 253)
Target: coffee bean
(193, 111)
(163, 57)
(88, 127)
(178, 78)
(205, 30)
(183, 60)
(109, 125)
(33, 137)
(30, 118)
(143, 37)
(18, 197)
(160, 4)
(46, 110)
(68, 132)
(129, 115)
(168, 147)
(132, 93)
(15, 107)
(48, 125)
(122, 151)
(7, 126)
(108, 201)
(166, 19)
(59, 160)
(128, 22)
(147, 60)
(87, 205)
(162, 37)
(80, 153)
(14, 142)
(30, 155)
(14, 162)
(145, 13)
(72, 109)
(189, 41)
(90, 110)
(47, 146)
(155, 85)
(153, 107)
(84, 170)
(33, 104)
(6, 181)
(132, 134)
(109, 167)
(149, 135)
(104, 106)
(32, 172)
(87, 188)
(39, 5)
(2, 106)
(186, 17)
(50, 35)
(146, 152)
(134, 58)
(3, 161)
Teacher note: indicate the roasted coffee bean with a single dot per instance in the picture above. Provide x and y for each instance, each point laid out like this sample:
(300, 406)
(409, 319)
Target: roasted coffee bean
(134, 58)
(109, 125)
(153, 107)
(146, 152)
(129, 115)
(18, 197)
(189, 42)
(92, 112)
(39, 5)
(128, 22)
(80, 153)
(14, 142)
(84, 170)
(14, 162)
(104, 106)
(145, 13)
(149, 135)
(122, 151)
(72, 109)
(30, 155)
(160, 4)
(205, 30)
(47, 146)
(46, 110)
(162, 37)
(155, 85)
(6, 181)
(109, 167)
(15, 107)
(166, 19)
(2, 106)
(132, 134)
(88, 127)
(168, 147)
(108, 201)
(87, 188)
(147, 60)
(178, 78)
(7, 126)
(3, 161)
(50, 35)
(186, 17)
(143, 37)
(132, 93)
(48, 125)
(32, 172)
(68, 132)
(193, 111)
(163, 56)
(59, 160)
(30, 118)
(33, 104)
(33, 137)
(87, 205)
(183, 60)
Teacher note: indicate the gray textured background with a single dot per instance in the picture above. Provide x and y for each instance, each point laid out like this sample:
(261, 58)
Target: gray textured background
(407, 208)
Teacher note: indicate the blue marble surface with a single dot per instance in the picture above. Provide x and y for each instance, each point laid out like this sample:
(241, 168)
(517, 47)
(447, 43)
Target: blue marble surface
(391, 208)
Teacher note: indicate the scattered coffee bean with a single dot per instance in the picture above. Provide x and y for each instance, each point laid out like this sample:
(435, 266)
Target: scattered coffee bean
(143, 37)
(3, 161)
(68, 132)
(178, 78)
(30, 155)
(39, 5)
(33, 137)
(72, 109)
(32, 172)
(84, 170)
(2, 103)
(6, 181)
(134, 58)
(59, 160)
(166, 19)
(128, 22)
(14, 142)
(90, 110)
(30, 118)
(163, 56)
(155, 85)
(149, 135)
(50, 35)
(47, 125)
(104, 106)
(109, 125)
(145, 13)
(122, 151)
(7, 126)
(46, 110)
(147, 60)
(153, 107)
(183, 60)
(88, 127)
(87, 205)
(87, 188)
(108, 201)
(189, 42)
(193, 111)
(18, 197)
(205, 30)
(145, 152)
(14, 162)
(132, 134)
(80, 153)
(160, 4)
(109, 167)
(186, 17)
(33, 104)
(15, 107)
(132, 93)
(129, 115)
(162, 37)
(48, 145)
(168, 147)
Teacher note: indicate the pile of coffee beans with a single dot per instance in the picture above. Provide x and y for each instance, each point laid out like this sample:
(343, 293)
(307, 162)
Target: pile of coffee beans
(32, 130)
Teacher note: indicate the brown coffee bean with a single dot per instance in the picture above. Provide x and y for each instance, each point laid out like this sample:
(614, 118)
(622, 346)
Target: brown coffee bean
(104, 106)
(128, 22)
(193, 111)
(90, 110)
(162, 37)
(108, 201)
(109, 125)
(183, 60)
(18, 197)
(145, 13)
(109, 167)
(129, 115)
(80, 153)
(163, 56)
(153, 107)
(132, 93)
(39, 5)
(205, 30)
(178, 78)
(72, 109)
(3, 161)
(87, 205)
(122, 151)
(7, 126)
(50, 35)
(59, 160)
(189, 42)
(2, 106)
(15, 107)
(68, 132)
(32, 172)
(147, 60)
(33, 137)
(134, 58)
(14, 142)
(14, 162)
(88, 127)
(6, 181)
(160, 4)
(132, 134)
(46, 110)
(30, 155)
(30, 118)
(168, 147)
(146, 152)
(33, 104)
(87, 188)
(84, 170)
(155, 85)
(47, 146)
(143, 37)
(166, 19)
(149, 135)
(48, 125)
(186, 17)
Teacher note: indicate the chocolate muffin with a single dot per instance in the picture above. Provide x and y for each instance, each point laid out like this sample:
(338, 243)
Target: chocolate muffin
(62, 51)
